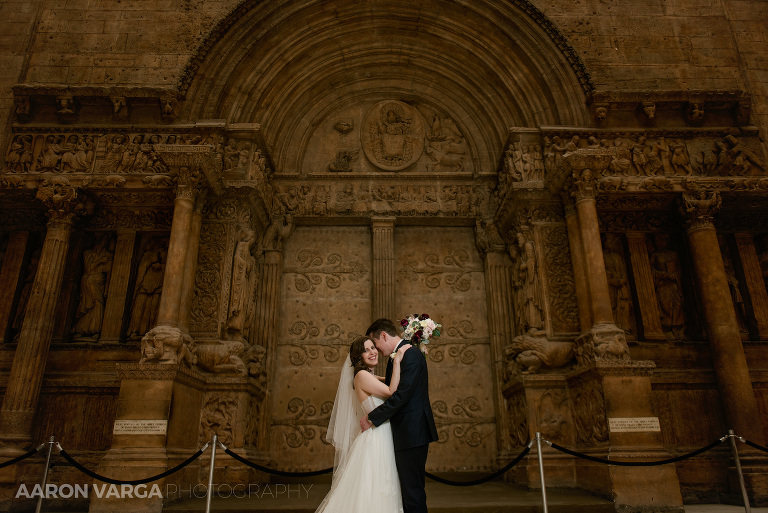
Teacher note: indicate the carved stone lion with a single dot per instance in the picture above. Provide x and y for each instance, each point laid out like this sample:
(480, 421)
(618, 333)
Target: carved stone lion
(531, 351)
(166, 344)
(225, 357)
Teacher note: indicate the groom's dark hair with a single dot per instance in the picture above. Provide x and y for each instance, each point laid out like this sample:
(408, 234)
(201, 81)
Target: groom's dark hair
(379, 325)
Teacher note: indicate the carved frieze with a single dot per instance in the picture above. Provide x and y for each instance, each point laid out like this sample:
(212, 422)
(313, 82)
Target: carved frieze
(132, 218)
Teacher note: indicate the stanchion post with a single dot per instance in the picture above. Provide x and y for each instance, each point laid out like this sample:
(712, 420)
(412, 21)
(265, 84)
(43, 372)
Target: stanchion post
(541, 472)
(39, 506)
(744, 495)
(210, 474)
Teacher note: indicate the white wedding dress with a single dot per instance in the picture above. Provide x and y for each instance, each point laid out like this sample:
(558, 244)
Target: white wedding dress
(368, 482)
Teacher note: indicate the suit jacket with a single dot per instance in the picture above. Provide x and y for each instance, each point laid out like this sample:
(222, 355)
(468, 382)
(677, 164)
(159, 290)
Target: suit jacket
(408, 409)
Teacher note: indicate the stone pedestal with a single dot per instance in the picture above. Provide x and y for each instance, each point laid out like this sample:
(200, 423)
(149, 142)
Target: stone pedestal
(151, 392)
(609, 391)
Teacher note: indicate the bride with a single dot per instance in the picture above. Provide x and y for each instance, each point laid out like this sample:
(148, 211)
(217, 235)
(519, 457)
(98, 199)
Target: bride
(364, 474)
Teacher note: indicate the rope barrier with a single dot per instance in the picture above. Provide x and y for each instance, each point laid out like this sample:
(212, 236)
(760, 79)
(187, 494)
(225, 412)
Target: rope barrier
(22, 457)
(485, 479)
(109, 480)
(273, 471)
(637, 463)
(753, 444)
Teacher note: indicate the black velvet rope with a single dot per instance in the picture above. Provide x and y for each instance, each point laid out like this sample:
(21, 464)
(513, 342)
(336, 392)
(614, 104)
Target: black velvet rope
(109, 480)
(753, 444)
(20, 458)
(485, 479)
(273, 471)
(637, 463)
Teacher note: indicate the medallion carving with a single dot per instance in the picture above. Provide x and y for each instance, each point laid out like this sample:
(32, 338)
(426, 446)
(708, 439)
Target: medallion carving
(392, 135)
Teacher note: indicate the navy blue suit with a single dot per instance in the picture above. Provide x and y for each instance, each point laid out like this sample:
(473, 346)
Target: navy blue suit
(413, 426)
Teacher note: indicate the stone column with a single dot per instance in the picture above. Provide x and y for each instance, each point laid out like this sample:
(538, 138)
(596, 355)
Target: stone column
(581, 283)
(753, 276)
(114, 310)
(646, 292)
(730, 363)
(26, 376)
(501, 327)
(383, 268)
(190, 266)
(9, 276)
(604, 339)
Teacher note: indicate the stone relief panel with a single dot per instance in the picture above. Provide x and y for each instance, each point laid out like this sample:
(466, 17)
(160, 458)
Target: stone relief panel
(51, 153)
(560, 286)
(438, 271)
(97, 267)
(324, 304)
(387, 136)
(668, 283)
(617, 272)
(589, 415)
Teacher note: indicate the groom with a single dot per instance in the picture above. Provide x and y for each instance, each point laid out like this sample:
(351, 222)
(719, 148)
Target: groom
(409, 413)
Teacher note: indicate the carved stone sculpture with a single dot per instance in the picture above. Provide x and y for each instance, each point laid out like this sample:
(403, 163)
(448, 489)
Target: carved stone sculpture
(97, 263)
(255, 359)
(393, 135)
(531, 352)
(149, 285)
(665, 268)
(281, 228)
(529, 298)
(222, 358)
(241, 292)
(166, 345)
(618, 282)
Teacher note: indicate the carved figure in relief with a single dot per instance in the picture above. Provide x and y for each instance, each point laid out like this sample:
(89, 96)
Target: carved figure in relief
(345, 199)
(618, 282)
(19, 157)
(256, 360)
(114, 153)
(281, 228)
(622, 160)
(640, 156)
(679, 160)
(149, 279)
(665, 268)
(530, 316)
(166, 344)
(243, 281)
(391, 136)
(735, 159)
(50, 156)
(532, 351)
(218, 418)
(736, 296)
(446, 147)
(97, 264)
(346, 152)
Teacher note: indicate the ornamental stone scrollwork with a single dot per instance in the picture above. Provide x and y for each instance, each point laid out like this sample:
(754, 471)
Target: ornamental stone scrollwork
(518, 419)
(561, 289)
(589, 415)
(529, 352)
(208, 279)
(313, 269)
(303, 422)
(454, 269)
(462, 352)
(392, 135)
(463, 421)
(132, 218)
(308, 341)
(218, 418)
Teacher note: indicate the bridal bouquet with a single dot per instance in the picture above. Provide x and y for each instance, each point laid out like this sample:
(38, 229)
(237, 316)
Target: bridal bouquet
(418, 330)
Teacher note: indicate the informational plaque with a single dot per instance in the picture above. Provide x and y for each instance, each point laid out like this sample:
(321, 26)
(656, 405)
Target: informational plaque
(633, 424)
(140, 427)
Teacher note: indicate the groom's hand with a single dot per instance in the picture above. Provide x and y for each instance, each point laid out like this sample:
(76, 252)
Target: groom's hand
(365, 423)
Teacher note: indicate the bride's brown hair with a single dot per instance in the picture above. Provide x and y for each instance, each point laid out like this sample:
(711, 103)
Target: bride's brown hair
(356, 351)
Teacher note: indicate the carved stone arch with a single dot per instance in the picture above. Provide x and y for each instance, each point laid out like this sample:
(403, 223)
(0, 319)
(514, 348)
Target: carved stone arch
(492, 64)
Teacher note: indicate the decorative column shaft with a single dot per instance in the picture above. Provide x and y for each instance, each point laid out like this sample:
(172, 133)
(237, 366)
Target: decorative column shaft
(118, 286)
(190, 266)
(646, 293)
(383, 272)
(501, 327)
(731, 369)
(10, 275)
(170, 299)
(755, 285)
(26, 377)
(581, 283)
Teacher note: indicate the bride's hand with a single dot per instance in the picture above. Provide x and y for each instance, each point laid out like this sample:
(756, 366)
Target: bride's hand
(400, 352)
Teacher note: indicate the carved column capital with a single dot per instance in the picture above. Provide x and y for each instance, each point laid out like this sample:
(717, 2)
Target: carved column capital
(63, 200)
(583, 184)
(192, 164)
(699, 208)
(487, 237)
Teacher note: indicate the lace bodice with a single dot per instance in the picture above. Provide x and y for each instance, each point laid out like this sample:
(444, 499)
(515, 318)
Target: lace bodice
(371, 403)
